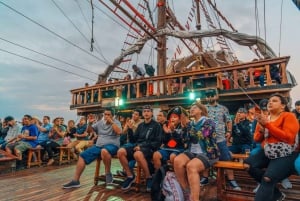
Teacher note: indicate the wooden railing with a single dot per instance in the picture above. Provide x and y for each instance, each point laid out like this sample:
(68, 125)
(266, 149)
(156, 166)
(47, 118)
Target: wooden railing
(164, 85)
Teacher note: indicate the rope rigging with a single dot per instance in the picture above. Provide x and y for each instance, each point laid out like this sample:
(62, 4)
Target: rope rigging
(280, 28)
(48, 65)
(43, 54)
(98, 49)
(52, 32)
(92, 37)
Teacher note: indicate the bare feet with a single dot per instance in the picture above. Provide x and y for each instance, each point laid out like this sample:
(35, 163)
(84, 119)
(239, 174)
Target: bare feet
(50, 162)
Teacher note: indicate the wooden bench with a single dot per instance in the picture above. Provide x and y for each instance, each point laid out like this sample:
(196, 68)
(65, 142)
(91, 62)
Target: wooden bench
(64, 155)
(7, 161)
(137, 170)
(37, 152)
(221, 166)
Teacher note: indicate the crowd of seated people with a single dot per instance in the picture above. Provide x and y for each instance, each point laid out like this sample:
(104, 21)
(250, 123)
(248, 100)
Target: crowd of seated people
(191, 141)
(16, 138)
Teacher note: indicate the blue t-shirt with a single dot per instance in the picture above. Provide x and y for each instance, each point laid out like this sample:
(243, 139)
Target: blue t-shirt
(31, 130)
(44, 136)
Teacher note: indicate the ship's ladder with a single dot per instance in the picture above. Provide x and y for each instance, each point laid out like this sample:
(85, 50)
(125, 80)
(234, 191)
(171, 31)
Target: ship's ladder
(134, 18)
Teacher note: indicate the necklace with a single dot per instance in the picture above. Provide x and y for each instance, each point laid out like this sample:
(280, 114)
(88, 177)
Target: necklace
(274, 117)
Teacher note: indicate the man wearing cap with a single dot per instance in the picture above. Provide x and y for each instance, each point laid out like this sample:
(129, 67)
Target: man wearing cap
(241, 133)
(108, 142)
(27, 139)
(13, 130)
(146, 140)
(220, 115)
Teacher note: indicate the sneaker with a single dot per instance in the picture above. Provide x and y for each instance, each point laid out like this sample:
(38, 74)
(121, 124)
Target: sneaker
(203, 181)
(128, 182)
(282, 197)
(257, 187)
(109, 178)
(234, 185)
(121, 173)
(148, 184)
(72, 184)
(286, 183)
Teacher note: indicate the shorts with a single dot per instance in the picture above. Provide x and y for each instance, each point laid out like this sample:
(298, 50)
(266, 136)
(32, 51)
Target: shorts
(20, 145)
(167, 153)
(148, 153)
(93, 152)
(206, 162)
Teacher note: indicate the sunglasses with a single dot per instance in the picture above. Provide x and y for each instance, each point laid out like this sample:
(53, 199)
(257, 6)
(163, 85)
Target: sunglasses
(210, 95)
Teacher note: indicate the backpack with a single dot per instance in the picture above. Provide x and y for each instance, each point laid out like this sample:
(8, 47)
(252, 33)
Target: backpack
(157, 183)
(171, 188)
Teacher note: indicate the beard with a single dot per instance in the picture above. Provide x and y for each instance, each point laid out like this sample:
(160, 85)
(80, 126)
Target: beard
(211, 100)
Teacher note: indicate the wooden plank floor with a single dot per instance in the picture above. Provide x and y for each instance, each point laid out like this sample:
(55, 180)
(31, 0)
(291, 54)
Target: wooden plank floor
(45, 183)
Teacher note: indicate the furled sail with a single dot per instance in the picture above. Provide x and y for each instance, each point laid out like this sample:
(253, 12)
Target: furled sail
(239, 38)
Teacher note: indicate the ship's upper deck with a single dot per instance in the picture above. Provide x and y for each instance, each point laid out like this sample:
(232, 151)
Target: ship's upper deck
(233, 83)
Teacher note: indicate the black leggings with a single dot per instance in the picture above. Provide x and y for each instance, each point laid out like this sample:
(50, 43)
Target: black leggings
(50, 147)
(275, 169)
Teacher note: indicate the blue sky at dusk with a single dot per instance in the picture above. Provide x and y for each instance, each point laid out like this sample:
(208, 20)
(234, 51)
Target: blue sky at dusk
(27, 87)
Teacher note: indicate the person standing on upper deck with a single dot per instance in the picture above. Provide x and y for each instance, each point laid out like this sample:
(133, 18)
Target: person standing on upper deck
(139, 73)
(221, 117)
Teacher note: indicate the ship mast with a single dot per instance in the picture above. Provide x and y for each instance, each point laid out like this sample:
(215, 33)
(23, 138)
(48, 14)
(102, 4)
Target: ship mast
(162, 41)
(198, 25)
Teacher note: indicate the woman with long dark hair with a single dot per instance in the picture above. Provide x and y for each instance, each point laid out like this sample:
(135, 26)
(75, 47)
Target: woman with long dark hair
(275, 161)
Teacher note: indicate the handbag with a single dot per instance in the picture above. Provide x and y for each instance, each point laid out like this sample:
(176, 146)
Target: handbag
(278, 150)
(66, 140)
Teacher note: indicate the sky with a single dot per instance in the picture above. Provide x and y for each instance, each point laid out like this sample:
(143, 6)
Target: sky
(27, 87)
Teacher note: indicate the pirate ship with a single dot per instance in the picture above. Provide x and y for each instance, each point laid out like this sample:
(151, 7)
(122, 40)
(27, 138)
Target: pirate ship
(203, 58)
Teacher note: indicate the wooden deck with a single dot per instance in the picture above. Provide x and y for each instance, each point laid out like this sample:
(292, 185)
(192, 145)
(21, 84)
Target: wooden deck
(45, 183)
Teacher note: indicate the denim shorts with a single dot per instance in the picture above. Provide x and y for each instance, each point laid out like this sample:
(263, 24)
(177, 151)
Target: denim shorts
(166, 153)
(93, 152)
(224, 151)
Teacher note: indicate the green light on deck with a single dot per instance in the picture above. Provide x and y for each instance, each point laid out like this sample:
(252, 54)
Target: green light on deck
(192, 95)
(121, 102)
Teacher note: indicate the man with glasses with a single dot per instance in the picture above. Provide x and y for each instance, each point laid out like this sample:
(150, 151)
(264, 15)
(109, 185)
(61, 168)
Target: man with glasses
(108, 130)
(146, 140)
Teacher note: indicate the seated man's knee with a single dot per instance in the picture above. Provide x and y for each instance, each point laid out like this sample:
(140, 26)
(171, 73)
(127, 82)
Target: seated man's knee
(157, 156)
(105, 153)
(267, 179)
(121, 152)
(138, 154)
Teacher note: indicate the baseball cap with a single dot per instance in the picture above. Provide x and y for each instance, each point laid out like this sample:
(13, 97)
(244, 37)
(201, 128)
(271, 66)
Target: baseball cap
(210, 92)
(263, 104)
(177, 110)
(147, 107)
(250, 105)
(8, 118)
(242, 110)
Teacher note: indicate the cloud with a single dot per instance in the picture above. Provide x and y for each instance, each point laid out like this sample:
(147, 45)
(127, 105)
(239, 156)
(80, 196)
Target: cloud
(30, 88)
